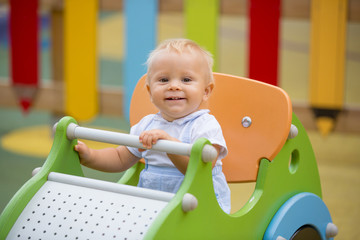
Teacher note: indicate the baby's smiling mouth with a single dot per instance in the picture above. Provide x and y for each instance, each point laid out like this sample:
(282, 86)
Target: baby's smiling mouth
(174, 98)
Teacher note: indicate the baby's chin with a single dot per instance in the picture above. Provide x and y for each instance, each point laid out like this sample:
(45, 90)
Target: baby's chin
(171, 117)
(175, 115)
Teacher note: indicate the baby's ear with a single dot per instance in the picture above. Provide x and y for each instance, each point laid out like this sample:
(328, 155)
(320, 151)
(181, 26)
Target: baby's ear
(208, 91)
(149, 91)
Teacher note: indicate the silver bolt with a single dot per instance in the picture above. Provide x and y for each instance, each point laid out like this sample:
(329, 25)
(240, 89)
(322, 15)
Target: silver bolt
(246, 122)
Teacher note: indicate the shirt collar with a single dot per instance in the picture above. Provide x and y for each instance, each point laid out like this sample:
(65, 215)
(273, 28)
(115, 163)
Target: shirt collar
(183, 120)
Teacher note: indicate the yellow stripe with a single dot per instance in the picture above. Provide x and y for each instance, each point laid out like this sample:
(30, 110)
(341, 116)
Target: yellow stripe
(81, 100)
(202, 23)
(327, 57)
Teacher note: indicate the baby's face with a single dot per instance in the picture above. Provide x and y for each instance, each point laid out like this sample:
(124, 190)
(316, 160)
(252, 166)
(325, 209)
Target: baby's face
(178, 83)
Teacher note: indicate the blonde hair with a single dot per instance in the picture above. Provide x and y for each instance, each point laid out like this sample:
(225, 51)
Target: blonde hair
(181, 45)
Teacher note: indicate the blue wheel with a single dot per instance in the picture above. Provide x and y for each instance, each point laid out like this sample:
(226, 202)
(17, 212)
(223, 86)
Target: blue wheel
(304, 216)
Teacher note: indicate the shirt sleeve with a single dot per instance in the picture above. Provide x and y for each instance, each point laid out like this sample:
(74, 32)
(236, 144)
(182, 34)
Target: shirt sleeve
(137, 129)
(209, 128)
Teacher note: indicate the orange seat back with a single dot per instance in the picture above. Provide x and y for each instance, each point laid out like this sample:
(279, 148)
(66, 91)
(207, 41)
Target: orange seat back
(234, 98)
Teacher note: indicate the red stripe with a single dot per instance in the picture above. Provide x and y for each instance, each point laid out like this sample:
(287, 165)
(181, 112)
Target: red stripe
(264, 40)
(24, 42)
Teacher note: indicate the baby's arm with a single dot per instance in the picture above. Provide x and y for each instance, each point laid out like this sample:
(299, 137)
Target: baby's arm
(149, 138)
(108, 159)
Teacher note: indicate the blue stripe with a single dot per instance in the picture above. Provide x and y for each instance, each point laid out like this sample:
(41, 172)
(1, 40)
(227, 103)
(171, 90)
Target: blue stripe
(140, 34)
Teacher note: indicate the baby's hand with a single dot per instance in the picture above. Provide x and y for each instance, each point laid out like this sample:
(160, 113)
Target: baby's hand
(83, 150)
(149, 138)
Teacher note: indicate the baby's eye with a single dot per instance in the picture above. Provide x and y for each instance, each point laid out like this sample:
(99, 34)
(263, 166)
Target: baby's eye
(163, 80)
(186, 79)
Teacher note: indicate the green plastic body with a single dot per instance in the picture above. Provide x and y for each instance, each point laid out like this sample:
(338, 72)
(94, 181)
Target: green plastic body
(292, 171)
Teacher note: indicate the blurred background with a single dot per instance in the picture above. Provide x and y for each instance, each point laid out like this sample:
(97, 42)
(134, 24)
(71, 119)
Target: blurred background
(26, 118)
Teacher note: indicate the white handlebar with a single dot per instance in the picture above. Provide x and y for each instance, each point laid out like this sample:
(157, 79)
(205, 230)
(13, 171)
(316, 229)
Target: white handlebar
(209, 153)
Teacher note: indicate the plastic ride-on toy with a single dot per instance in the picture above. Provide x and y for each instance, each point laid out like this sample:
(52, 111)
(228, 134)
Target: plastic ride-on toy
(267, 144)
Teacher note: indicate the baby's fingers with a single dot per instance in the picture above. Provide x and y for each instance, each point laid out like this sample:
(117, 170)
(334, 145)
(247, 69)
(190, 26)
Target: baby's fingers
(147, 140)
(82, 149)
(78, 146)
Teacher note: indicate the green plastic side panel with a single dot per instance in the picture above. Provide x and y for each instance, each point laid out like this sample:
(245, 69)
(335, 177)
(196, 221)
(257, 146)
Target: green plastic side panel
(131, 176)
(62, 158)
(275, 184)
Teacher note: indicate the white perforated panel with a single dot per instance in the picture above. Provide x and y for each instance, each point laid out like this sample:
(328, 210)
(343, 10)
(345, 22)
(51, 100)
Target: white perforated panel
(64, 211)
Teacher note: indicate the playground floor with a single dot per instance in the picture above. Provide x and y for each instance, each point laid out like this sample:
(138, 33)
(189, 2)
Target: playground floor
(26, 140)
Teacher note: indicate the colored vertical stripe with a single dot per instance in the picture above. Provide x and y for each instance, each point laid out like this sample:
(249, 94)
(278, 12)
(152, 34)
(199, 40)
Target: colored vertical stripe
(264, 40)
(141, 32)
(80, 60)
(57, 44)
(202, 23)
(24, 49)
(327, 56)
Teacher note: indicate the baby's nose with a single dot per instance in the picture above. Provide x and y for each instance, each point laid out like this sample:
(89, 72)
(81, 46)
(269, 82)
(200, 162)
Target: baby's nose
(174, 85)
